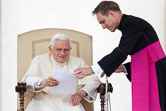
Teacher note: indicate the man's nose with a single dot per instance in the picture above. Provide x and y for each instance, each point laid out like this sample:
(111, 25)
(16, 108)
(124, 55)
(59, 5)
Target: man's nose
(62, 52)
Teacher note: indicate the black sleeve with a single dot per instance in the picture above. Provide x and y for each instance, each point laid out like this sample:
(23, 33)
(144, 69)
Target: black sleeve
(112, 61)
(128, 68)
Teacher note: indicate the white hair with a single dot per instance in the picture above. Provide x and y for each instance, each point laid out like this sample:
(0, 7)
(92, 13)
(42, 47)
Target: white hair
(59, 36)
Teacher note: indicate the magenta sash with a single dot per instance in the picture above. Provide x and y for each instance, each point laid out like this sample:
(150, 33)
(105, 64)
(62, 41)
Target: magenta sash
(145, 95)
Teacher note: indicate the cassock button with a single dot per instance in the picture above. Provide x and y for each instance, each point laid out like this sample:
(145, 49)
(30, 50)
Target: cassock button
(149, 58)
(150, 63)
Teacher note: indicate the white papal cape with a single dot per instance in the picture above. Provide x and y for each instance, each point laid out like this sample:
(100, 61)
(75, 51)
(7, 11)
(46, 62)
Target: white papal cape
(42, 67)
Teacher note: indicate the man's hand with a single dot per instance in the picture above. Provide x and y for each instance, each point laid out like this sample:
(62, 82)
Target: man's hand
(120, 69)
(76, 98)
(50, 81)
(82, 72)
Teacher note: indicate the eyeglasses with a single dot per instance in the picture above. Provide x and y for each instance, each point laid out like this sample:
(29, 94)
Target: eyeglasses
(60, 50)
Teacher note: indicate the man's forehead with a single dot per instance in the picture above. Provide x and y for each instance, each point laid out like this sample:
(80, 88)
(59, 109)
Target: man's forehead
(100, 17)
(62, 43)
(58, 41)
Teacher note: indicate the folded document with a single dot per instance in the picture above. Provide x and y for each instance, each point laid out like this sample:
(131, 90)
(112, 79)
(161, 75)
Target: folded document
(67, 82)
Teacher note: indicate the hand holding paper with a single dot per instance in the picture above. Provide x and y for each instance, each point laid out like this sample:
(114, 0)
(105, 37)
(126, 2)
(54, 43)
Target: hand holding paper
(50, 81)
(67, 82)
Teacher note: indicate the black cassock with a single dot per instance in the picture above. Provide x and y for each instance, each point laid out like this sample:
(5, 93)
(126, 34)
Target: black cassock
(147, 69)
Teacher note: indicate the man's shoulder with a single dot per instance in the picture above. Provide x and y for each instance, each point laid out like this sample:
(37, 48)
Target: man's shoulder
(74, 58)
(136, 20)
(77, 61)
(42, 57)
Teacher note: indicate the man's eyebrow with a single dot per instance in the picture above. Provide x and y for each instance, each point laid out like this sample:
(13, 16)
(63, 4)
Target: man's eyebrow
(62, 48)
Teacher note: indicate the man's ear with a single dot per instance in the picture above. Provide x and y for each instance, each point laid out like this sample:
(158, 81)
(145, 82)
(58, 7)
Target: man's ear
(50, 48)
(112, 13)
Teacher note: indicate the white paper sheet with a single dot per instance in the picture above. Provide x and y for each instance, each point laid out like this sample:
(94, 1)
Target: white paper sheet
(67, 82)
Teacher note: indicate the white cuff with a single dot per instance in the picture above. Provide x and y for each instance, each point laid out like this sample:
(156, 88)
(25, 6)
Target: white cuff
(91, 90)
(97, 69)
(33, 82)
(125, 71)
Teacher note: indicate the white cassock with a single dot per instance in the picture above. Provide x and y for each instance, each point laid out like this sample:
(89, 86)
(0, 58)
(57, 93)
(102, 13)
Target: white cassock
(42, 67)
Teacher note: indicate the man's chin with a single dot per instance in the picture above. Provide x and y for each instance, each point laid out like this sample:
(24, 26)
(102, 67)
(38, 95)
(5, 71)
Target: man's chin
(112, 30)
(61, 60)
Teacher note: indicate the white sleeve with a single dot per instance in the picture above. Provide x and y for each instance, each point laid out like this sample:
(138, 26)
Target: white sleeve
(33, 83)
(125, 70)
(91, 90)
(97, 69)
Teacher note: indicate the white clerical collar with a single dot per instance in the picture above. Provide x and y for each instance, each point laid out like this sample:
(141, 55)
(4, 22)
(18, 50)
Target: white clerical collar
(58, 64)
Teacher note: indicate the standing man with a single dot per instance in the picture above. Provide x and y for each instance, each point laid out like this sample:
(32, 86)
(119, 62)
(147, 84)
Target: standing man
(147, 70)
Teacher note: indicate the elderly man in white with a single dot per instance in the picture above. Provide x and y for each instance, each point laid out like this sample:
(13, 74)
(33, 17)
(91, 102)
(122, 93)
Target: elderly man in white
(39, 79)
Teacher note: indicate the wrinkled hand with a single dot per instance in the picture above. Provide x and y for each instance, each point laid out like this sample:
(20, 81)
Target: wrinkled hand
(50, 81)
(76, 98)
(120, 69)
(82, 72)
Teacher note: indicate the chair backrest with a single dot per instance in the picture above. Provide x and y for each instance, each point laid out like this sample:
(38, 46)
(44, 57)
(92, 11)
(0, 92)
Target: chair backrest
(36, 42)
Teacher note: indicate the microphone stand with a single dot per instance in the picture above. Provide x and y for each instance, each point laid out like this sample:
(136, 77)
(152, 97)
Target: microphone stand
(107, 95)
(105, 89)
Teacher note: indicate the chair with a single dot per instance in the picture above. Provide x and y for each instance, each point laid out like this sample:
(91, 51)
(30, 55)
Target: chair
(36, 42)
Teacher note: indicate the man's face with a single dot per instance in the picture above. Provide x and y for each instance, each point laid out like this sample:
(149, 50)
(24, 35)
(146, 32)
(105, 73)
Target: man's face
(60, 51)
(108, 22)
